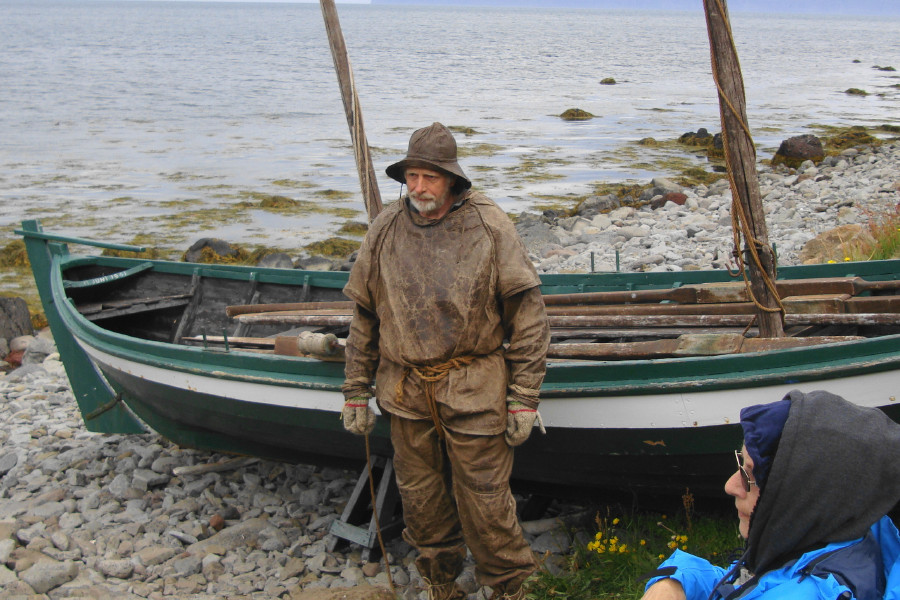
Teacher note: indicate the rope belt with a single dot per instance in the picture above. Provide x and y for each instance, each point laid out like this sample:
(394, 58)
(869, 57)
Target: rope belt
(430, 375)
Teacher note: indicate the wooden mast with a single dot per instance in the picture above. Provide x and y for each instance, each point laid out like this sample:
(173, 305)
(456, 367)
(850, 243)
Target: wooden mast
(367, 180)
(757, 260)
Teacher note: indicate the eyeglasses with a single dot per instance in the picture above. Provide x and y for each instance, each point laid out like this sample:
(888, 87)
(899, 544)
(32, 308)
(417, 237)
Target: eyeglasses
(745, 476)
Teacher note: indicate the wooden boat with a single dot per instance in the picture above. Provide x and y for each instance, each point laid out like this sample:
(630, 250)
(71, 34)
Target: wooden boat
(643, 390)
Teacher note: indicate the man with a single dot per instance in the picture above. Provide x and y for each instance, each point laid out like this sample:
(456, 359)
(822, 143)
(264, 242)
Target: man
(814, 481)
(440, 282)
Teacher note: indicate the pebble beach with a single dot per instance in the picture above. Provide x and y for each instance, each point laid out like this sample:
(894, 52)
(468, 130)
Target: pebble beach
(100, 516)
(88, 515)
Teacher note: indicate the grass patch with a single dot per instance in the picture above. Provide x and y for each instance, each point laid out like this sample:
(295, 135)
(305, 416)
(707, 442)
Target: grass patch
(885, 238)
(625, 546)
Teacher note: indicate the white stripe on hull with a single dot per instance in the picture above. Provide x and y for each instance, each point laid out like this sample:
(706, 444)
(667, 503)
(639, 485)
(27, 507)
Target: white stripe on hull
(650, 411)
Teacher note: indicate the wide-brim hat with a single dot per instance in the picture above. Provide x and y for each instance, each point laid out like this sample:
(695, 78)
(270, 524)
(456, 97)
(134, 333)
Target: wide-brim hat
(431, 147)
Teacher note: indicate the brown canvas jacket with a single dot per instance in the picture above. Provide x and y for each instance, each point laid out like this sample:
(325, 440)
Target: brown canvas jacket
(430, 291)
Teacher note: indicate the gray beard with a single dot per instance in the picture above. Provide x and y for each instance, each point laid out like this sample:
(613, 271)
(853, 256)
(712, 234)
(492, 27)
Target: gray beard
(423, 206)
(426, 203)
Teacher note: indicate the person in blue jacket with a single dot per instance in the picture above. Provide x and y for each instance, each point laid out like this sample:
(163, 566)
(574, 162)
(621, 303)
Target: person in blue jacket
(816, 478)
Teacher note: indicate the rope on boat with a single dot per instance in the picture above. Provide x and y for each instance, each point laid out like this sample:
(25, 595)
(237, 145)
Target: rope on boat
(103, 408)
(739, 220)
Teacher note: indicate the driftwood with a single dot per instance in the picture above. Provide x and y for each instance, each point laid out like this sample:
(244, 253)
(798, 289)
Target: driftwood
(225, 465)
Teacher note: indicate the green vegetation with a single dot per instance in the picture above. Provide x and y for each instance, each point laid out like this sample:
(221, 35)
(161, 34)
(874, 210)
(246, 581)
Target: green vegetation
(628, 544)
(13, 255)
(334, 247)
(856, 92)
(607, 81)
(885, 239)
(354, 229)
(576, 114)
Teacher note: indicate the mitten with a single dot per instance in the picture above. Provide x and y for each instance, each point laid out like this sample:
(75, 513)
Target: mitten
(519, 421)
(358, 417)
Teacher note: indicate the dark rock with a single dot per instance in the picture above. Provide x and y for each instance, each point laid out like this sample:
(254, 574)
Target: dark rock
(595, 205)
(701, 137)
(15, 320)
(277, 260)
(795, 150)
(220, 247)
(676, 197)
(315, 263)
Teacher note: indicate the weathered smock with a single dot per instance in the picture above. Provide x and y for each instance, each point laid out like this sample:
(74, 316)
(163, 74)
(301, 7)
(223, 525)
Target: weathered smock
(431, 291)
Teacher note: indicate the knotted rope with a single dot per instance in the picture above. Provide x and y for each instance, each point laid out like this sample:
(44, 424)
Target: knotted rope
(430, 375)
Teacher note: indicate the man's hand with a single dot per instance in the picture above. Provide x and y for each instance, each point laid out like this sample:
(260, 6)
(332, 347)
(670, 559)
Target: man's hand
(664, 589)
(519, 421)
(358, 417)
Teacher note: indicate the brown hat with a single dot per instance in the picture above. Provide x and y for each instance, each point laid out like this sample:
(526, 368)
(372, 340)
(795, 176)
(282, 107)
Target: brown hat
(431, 147)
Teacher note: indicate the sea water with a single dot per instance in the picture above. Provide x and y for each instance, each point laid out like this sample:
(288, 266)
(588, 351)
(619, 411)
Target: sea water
(168, 120)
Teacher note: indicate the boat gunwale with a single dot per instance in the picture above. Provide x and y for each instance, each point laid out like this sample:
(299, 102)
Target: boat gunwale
(564, 378)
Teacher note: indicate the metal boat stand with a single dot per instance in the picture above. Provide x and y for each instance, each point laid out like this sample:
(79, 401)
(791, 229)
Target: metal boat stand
(357, 523)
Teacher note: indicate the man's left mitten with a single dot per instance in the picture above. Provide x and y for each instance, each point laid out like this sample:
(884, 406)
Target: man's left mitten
(358, 417)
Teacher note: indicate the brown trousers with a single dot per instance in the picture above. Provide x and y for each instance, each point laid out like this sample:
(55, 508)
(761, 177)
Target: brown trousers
(455, 494)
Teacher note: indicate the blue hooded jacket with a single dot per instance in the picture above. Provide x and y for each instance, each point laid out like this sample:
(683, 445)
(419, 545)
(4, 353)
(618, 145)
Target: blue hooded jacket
(819, 528)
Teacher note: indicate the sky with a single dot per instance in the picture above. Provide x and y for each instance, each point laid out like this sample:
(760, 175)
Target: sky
(838, 7)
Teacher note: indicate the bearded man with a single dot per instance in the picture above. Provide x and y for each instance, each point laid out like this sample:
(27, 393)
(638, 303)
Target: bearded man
(450, 335)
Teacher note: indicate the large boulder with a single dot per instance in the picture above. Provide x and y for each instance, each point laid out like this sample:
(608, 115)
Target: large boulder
(15, 320)
(795, 150)
(276, 260)
(203, 248)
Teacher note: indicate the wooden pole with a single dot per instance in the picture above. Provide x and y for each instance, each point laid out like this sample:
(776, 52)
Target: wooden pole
(367, 180)
(740, 155)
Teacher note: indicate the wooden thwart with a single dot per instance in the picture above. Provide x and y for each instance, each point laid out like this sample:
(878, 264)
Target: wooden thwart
(121, 308)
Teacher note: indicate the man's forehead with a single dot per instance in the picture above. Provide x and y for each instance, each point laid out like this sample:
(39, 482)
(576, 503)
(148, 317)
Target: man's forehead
(423, 171)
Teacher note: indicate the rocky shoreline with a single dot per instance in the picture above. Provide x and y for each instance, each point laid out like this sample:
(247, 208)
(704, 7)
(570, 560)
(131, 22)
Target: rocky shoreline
(108, 516)
(88, 515)
(693, 230)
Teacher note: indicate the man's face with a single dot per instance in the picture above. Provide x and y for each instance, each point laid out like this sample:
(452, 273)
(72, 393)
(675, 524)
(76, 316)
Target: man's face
(429, 191)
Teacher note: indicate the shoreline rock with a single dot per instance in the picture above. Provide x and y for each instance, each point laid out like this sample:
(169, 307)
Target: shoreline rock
(693, 231)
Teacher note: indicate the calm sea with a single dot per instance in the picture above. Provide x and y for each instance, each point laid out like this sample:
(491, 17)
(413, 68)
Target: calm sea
(157, 118)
